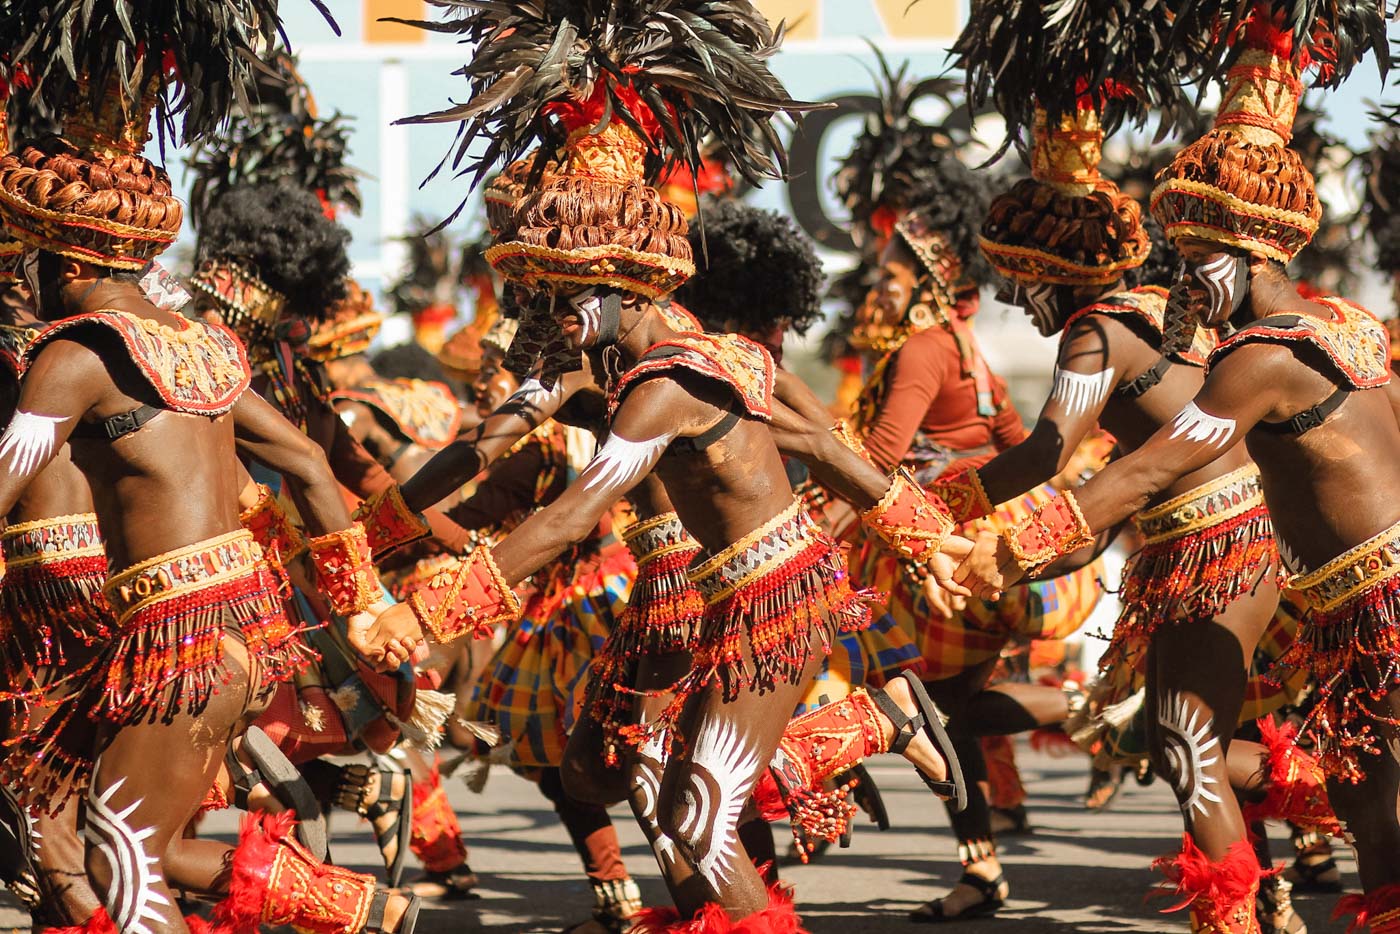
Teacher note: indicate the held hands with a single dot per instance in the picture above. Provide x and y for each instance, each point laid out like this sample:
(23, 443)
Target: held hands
(945, 595)
(387, 636)
(990, 568)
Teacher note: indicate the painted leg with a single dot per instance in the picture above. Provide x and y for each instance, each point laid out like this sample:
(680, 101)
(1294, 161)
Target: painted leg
(1368, 811)
(616, 897)
(58, 854)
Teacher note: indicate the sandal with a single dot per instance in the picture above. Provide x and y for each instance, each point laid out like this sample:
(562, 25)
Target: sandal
(929, 720)
(867, 795)
(274, 770)
(375, 920)
(390, 813)
(452, 885)
(1104, 786)
(1314, 870)
(17, 868)
(1273, 907)
(992, 901)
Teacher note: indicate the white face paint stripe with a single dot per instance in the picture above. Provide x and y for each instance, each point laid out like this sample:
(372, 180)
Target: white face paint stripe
(1190, 748)
(1200, 426)
(589, 308)
(622, 462)
(1039, 299)
(1218, 279)
(1078, 393)
(29, 441)
(730, 764)
(133, 899)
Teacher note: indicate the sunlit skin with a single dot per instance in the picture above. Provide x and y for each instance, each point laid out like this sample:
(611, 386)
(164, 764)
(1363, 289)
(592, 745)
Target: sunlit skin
(1330, 489)
(153, 472)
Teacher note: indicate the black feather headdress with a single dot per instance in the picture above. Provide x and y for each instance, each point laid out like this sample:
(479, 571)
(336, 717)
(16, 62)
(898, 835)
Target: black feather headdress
(895, 161)
(674, 71)
(279, 136)
(428, 278)
(191, 59)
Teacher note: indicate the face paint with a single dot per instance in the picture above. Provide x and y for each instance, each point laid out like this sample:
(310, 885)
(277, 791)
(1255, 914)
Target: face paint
(1196, 425)
(29, 441)
(587, 309)
(722, 771)
(1038, 301)
(1224, 278)
(29, 268)
(133, 899)
(1190, 747)
(622, 463)
(1078, 393)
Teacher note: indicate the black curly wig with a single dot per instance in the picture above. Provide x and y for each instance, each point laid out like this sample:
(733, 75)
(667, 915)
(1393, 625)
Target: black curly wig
(279, 231)
(1162, 264)
(955, 200)
(761, 268)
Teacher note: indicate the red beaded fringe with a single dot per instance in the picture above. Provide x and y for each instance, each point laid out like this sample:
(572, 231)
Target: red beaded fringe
(1193, 577)
(50, 611)
(662, 617)
(774, 613)
(166, 660)
(1353, 653)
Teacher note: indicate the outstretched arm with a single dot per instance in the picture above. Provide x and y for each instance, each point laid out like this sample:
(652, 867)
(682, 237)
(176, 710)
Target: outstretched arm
(1242, 390)
(263, 434)
(523, 412)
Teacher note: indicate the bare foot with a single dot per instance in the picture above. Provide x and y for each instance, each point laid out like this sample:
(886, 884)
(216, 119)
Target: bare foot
(920, 752)
(394, 910)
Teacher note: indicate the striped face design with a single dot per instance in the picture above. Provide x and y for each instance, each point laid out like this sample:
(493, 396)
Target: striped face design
(1222, 279)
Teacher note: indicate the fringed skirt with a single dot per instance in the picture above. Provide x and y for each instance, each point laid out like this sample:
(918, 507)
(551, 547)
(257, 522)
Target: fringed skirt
(1203, 550)
(662, 618)
(528, 687)
(166, 658)
(765, 596)
(1350, 643)
(53, 616)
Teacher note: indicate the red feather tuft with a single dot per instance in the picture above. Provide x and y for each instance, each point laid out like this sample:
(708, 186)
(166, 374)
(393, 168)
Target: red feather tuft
(584, 114)
(780, 917)
(258, 840)
(99, 923)
(1054, 742)
(768, 799)
(1363, 908)
(1220, 884)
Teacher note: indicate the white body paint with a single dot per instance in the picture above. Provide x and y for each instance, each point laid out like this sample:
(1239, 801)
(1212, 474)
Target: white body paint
(1190, 748)
(132, 900)
(1217, 277)
(589, 308)
(29, 441)
(722, 756)
(622, 463)
(1200, 426)
(651, 764)
(533, 393)
(1078, 393)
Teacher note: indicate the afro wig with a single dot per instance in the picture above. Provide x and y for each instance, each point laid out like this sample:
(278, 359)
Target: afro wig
(761, 269)
(279, 231)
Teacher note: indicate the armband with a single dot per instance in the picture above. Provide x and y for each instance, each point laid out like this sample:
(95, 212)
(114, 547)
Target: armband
(963, 493)
(467, 596)
(907, 520)
(389, 523)
(344, 571)
(1054, 530)
(272, 528)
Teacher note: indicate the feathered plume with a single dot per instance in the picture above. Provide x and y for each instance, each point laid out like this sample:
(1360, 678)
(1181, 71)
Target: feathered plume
(893, 161)
(279, 136)
(674, 71)
(428, 277)
(200, 55)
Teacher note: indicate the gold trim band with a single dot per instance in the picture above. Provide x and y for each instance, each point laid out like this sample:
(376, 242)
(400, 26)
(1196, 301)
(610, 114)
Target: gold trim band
(1353, 572)
(1203, 507)
(174, 573)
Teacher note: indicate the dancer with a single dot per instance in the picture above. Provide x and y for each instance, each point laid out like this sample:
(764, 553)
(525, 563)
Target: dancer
(1263, 385)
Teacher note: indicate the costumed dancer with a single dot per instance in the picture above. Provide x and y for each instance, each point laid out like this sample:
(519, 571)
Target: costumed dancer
(1297, 381)
(152, 404)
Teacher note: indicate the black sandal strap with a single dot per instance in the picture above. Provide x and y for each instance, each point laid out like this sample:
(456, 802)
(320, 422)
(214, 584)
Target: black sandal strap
(243, 779)
(374, 921)
(905, 726)
(990, 888)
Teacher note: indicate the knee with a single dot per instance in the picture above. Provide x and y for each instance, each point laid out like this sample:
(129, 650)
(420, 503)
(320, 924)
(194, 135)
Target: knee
(585, 777)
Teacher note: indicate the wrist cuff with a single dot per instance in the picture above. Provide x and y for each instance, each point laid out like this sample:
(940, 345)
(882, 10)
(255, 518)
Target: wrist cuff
(906, 519)
(1052, 531)
(344, 571)
(468, 597)
(389, 523)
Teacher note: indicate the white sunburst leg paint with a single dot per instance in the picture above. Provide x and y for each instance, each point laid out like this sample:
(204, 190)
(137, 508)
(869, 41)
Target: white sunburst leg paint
(1189, 747)
(652, 757)
(29, 441)
(1196, 425)
(1078, 393)
(722, 771)
(133, 899)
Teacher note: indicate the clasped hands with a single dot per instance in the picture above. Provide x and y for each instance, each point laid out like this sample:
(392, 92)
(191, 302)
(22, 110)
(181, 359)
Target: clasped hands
(982, 567)
(386, 635)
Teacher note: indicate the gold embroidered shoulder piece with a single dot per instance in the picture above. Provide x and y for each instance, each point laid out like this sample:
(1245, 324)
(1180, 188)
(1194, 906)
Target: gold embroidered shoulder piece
(424, 412)
(1356, 344)
(196, 368)
(742, 365)
(1148, 305)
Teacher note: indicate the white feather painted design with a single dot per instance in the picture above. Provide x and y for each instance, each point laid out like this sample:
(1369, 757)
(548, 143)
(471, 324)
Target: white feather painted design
(1078, 393)
(622, 463)
(1200, 426)
(134, 898)
(723, 756)
(29, 441)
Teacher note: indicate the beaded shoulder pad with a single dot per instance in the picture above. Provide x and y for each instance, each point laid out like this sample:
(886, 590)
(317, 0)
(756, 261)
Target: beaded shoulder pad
(742, 365)
(424, 412)
(14, 341)
(1147, 304)
(1356, 344)
(197, 369)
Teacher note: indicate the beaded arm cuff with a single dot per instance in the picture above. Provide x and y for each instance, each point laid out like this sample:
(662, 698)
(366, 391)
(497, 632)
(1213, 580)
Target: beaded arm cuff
(963, 493)
(1052, 531)
(913, 524)
(272, 528)
(467, 596)
(389, 523)
(344, 571)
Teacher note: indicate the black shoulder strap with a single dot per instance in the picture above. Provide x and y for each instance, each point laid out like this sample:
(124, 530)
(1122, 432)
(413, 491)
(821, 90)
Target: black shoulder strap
(1308, 419)
(706, 438)
(1149, 378)
(118, 426)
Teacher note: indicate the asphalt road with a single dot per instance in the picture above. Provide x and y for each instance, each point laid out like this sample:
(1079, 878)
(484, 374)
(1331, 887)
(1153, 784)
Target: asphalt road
(1076, 872)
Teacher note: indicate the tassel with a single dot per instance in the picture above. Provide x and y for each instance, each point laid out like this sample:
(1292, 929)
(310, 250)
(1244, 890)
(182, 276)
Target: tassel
(423, 730)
